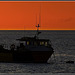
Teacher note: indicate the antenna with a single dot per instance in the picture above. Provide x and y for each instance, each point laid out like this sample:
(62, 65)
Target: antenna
(24, 30)
(36, 19)
(38, 32)
(40, 16)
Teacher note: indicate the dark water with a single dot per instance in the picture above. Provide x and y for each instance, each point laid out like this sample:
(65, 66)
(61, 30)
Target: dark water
(63, 43)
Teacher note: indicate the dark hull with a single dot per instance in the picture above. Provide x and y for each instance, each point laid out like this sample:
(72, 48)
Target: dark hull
(25, 57)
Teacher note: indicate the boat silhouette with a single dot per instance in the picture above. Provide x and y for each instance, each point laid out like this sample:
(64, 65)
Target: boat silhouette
(30, 49)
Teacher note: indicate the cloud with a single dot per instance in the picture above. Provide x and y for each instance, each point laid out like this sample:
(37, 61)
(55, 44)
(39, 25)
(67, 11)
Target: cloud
(68, 19)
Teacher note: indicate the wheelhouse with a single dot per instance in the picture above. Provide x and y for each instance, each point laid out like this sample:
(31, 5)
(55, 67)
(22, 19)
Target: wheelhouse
(32, 41)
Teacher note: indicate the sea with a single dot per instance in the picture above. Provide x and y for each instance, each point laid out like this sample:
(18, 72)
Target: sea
(63, 42)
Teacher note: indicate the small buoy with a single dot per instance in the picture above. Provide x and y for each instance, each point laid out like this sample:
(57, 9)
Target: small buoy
(72, 62)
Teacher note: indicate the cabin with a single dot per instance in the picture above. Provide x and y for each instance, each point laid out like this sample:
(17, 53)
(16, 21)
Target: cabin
(26, 41)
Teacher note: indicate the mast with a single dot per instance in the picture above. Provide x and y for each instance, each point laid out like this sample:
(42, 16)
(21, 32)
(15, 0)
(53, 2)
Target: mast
(24, 30)
(38, 32)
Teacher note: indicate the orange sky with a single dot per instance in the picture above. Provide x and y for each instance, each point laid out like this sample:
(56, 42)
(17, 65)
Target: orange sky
(22, 15)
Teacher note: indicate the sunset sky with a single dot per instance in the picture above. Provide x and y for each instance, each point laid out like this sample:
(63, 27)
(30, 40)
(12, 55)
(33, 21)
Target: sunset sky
(22, 15)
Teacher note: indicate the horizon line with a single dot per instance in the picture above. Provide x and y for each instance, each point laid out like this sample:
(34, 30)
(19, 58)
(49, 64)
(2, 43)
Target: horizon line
(43, 30)
(36, 1)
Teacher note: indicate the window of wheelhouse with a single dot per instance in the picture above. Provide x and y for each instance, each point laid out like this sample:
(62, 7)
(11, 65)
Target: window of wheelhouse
(27, 42)
(41, 43)
(35, 43)
(45, 43)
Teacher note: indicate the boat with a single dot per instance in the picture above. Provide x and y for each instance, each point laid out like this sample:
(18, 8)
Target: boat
(29, 50)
